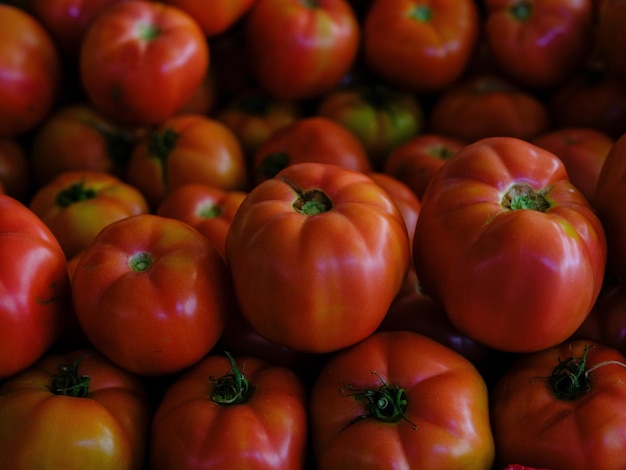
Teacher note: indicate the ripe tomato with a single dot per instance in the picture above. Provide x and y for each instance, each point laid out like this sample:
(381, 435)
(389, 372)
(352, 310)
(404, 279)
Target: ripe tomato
(141, 61)
(74, 411)
(608, 202)
(313, 139)
(563, 407)
(186, 148)
(582, 151)
(502, 203)
(208, 209)
(30, 72)
(417, 160)
(400, 400)
(15, 171)
(152, 294)
(76, 205)
(317, 254)
(299, 50)
(34, 287)
(381, 118)
(420, 46)
(254, 116)
(227, 413)
(217, 16)
(539, 43)
(488, 106)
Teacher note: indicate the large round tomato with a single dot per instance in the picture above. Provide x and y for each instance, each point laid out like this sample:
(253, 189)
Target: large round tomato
(317, 254)
(314, 139)
(76, 205)
(141, 61)
(508, 246)
(74, 411)
(34, 287)
(152, 294)
(186, 148)
(299, 50)
(563, 407)
(227, 413)
(30, 72)
(539, 43)
(420, 46)
(400, 400)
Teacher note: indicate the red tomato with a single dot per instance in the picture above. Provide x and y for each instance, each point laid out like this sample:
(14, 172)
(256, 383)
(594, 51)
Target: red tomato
(15, 172)
(34, 287)
(30, 72)
(381, 118)
(563, 407)
(317, 254)
(254, 116)
(76, 205)
(582, 151)
(152, 294)
(539, 43)
(208, 209)
(420, 46)
(204, 99)
(183, 149)
(299, 50)
(400, 400)
(74, 411)
(67, 20)
(417, 160)
(217, 16)
(508, 246)
(142, 61)
(313, 139)
(224, 413)
(488, 106)
(591, 98)
(611, 38)
(608, 201)
(78, 137)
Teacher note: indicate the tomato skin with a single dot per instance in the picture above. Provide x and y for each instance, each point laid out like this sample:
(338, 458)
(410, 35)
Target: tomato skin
(268, 431)
(582, 151)
(185, 294)
(138, 50)
(299, 50)
(30, 72)
(539, 43)
(488, 105)
(106, 429)
(15, 171)
(295, 272)
(34, 287)
(314, 139)
(187, 148)
(76, 205)
(208, 209)
(534, 427)
(415, 161)
(467, 238)
(611, 41)
(441, 387)
(380, 117)
(420, 46)
(217, 16)
(611, 211)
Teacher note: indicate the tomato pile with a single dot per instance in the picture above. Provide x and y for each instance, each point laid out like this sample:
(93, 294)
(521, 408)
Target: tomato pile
(319, 234)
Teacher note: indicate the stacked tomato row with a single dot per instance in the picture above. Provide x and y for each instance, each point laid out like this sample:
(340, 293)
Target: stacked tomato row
(312, 234)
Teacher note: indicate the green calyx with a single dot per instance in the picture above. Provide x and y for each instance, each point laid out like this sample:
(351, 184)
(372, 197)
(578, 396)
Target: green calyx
(148, 31)
(422, 13)
(162, 144)
(523, 196)
(68, 383)
(310, 202)
(387, 403)
(211, 211)
(522, 10)
(568, 380)
(74, 193)
(140, 262)
(232, 388)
